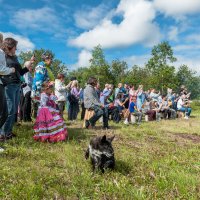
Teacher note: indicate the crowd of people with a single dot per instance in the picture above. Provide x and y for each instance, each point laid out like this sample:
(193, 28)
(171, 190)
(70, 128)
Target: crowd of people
(26, 95)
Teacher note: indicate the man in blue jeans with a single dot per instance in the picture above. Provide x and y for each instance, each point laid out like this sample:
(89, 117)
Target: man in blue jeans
(91, 101)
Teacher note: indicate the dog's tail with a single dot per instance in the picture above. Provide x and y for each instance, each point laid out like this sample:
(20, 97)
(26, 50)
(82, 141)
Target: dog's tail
(87, 153)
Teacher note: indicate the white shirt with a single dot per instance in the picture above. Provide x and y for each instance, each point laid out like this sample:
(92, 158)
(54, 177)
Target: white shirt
(3, 69)
(180, 103)
(60, 90)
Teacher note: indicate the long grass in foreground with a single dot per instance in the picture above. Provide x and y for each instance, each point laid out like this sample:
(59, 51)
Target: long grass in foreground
(153, 161)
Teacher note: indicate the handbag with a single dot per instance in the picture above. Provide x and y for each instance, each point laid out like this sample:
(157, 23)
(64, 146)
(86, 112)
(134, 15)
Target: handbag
(72, 98)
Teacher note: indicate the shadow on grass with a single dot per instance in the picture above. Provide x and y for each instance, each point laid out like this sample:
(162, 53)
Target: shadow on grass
(122, 167)
(77, 134)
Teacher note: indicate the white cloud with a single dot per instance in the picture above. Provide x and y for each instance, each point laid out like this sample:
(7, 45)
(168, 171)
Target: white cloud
(42, 19)
(140, 60)
(83, 59)
(177, 8)
(24, 44)
(89, 17)
(186, 47)
(192, 62)
(193, 38)
(136, 27)
(173, 33)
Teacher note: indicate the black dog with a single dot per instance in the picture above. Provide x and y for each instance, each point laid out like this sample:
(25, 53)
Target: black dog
(101, 153)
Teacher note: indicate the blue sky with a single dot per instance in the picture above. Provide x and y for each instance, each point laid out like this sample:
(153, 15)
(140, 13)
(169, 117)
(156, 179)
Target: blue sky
(126, 29)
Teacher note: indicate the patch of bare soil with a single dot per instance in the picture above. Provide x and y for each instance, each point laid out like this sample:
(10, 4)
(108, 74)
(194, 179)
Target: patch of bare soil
(127, 142)
(191, 137)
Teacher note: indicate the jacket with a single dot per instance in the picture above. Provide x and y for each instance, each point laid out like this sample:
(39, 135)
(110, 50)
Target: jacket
(12, 61)
(60, 90)
(90, 97)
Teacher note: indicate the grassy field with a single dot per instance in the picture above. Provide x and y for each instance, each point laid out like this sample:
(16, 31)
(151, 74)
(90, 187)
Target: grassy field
(153, 161)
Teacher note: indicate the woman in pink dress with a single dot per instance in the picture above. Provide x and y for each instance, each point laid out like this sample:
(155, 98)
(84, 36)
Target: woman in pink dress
(49, 125)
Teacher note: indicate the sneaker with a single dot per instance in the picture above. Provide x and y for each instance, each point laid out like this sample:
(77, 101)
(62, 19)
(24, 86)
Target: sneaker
(126, 122)
(186, 117)
(10, 135)
(88, 125)
(1, 150)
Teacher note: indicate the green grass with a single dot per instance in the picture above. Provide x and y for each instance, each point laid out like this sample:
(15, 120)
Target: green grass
(153, 161)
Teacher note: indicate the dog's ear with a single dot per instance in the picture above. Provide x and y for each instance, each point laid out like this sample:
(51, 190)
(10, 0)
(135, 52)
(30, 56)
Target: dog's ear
(103, 139)
(111, 138)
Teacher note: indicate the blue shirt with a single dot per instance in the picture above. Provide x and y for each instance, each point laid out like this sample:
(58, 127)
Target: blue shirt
(132, 107)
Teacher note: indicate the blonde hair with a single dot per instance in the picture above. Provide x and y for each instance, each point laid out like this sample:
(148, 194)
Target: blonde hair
(74, 83)
(106, 85)
(140, 87)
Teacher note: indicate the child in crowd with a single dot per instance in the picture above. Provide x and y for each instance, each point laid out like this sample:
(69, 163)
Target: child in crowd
(134, 111)
(49, 125)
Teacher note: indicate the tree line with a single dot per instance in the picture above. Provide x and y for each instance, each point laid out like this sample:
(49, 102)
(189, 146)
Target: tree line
(159, 72)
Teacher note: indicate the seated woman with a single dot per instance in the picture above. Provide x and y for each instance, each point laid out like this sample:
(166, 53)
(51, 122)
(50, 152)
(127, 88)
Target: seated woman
(151, 111)
(183, 106)
(120, 104)
(109, 104)
(155, 107)
(165, 108)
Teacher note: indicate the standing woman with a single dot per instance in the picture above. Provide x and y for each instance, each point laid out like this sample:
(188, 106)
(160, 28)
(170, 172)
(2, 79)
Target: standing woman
(13, 83)
(61, 92)
(139, 97)
(132, 92)
(26, 108)
(74, 101)
(42, 73)
(3, 71)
